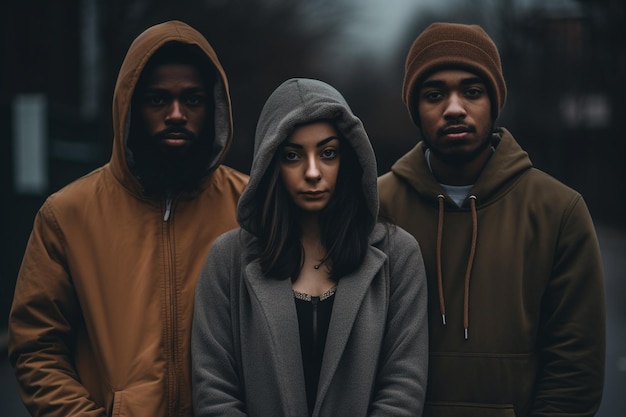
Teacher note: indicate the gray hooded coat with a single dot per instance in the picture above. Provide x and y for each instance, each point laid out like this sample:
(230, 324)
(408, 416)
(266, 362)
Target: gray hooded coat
(245, 342)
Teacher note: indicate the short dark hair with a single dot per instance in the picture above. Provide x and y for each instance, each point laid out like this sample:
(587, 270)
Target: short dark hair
(344, 222)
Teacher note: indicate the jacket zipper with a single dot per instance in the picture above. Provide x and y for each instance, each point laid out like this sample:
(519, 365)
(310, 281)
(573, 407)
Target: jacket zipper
(168, 209)
(171, 300)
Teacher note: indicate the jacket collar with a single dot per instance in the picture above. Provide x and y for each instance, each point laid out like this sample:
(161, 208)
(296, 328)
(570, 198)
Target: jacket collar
(279, 315)
(348, 299)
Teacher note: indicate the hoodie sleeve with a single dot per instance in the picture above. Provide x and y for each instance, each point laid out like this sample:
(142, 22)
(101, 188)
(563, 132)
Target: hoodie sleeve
(215, 379)
(403, 368)
(572, 339)
(42, 324)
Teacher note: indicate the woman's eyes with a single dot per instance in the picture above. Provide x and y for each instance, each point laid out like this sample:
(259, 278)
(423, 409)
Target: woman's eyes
(291, 156)
(328, 153)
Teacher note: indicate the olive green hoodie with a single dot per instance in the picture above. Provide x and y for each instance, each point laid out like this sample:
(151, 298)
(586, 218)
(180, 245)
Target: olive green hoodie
(516, 275)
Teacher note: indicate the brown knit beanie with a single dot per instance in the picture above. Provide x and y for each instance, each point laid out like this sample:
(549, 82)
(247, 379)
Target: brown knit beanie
(453, 45)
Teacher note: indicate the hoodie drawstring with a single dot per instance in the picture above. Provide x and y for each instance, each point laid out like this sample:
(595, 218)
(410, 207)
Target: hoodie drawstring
(442, 303)
(470, 263)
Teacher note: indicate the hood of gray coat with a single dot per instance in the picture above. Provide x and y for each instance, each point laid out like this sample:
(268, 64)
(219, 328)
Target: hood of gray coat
(300, 101)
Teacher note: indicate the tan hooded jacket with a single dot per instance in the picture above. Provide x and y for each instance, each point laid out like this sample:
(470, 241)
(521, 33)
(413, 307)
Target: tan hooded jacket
(101, 318)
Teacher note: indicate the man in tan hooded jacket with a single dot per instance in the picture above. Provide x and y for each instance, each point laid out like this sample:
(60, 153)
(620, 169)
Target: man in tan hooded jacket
(100, 322)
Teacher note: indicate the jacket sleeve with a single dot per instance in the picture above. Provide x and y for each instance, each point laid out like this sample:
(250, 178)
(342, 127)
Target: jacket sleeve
(572, 333)
(42, 327)
(217, 389)
(403, 366)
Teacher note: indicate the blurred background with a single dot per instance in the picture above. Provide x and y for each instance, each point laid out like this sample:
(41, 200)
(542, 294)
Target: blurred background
(564, 63)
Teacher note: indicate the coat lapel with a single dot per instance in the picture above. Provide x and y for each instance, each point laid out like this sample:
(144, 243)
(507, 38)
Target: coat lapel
(276, 301)
(350, 293)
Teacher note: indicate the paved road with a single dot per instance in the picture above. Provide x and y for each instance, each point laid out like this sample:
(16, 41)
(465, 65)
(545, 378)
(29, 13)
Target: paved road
(613, 246)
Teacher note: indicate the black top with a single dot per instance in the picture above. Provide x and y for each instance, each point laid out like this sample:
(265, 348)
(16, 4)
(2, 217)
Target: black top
(313, 320)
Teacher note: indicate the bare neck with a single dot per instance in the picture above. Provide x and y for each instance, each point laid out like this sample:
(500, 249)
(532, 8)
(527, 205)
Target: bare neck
(314, 277)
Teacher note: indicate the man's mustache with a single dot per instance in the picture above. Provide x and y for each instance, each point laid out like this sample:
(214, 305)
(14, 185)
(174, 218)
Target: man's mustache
(179, 131)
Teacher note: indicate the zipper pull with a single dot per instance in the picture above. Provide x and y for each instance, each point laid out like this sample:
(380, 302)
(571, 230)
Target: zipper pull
(168, 209)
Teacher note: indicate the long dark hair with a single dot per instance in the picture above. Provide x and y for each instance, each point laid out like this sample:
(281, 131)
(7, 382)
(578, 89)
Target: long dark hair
(344, 223)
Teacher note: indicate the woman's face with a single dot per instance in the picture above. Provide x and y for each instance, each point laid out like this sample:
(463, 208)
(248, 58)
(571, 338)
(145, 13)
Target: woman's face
(309, 163)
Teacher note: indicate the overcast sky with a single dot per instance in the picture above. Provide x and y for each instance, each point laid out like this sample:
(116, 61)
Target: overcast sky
(379, 23)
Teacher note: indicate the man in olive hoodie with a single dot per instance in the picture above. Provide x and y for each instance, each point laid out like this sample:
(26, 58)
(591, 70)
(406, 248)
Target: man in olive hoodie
(515, 281)
(101, 318)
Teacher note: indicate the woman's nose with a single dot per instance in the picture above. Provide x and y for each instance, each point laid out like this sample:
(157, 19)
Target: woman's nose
(313, 172)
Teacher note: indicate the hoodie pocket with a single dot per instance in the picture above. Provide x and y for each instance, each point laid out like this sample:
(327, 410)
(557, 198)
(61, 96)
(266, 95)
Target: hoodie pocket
(436, 409)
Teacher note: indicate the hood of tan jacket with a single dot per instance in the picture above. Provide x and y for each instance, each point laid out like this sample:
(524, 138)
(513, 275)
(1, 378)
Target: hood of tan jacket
(140, 51)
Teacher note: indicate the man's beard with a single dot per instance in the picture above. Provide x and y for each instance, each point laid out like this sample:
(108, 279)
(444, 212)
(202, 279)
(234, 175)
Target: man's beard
(169, 172)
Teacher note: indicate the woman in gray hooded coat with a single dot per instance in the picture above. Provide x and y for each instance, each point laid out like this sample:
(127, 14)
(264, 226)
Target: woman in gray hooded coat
(312, 307)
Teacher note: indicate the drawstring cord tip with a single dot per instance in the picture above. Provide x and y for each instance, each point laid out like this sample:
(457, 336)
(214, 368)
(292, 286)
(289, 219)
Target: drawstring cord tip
(443, 319)
(466, 334)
